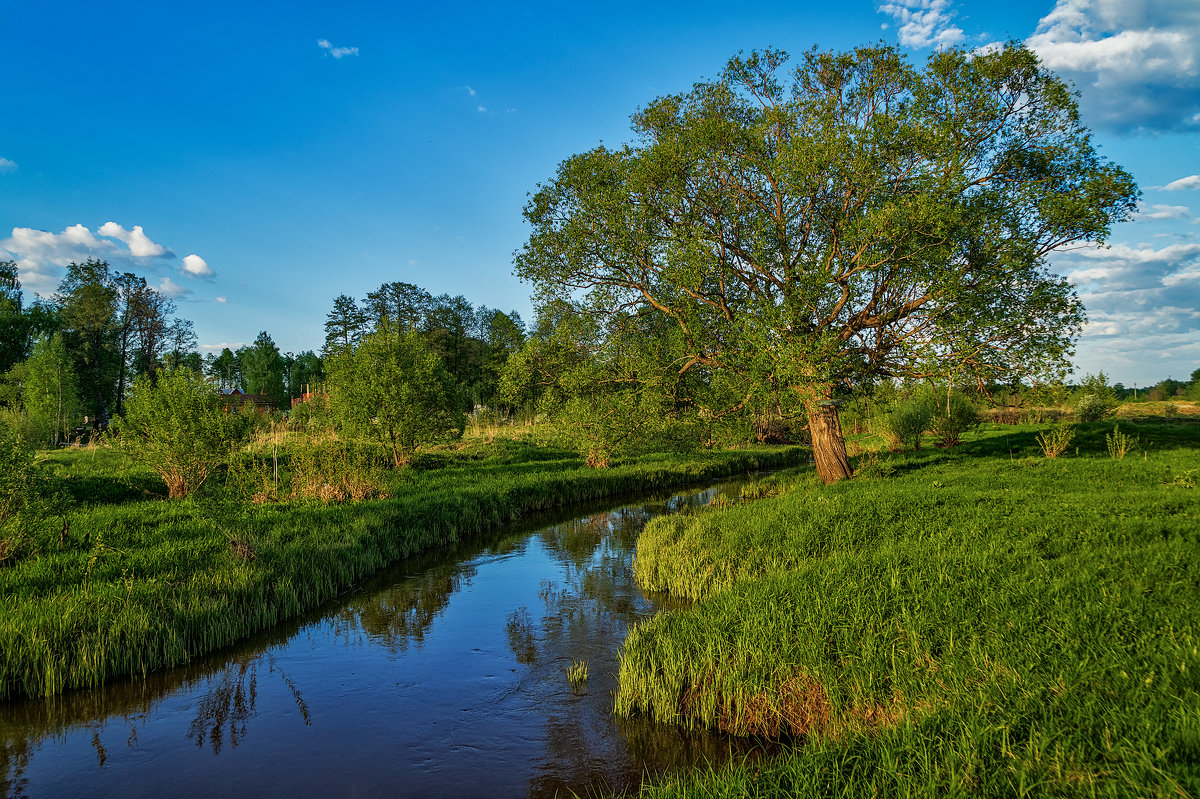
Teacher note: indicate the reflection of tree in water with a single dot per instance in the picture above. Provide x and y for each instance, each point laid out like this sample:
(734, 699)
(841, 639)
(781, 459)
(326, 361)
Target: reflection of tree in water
(403, 613)
(231, 702)
(14, 762)
(521, 640)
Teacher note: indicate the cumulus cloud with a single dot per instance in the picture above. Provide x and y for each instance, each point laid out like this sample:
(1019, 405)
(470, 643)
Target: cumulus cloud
(169, 288)
(195, 266)
(42, 256)
(138, 242)
(7, 165)
(924, 23)
(1139, 300)
(1137, 64)
(336, 52)
(222, 300)
(1190, 182)
(1159, 211)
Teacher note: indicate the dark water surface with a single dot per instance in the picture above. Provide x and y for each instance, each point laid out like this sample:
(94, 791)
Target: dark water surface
(444, 678)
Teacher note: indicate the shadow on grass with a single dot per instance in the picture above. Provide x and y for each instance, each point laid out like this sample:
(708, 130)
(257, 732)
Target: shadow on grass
(1021, 441)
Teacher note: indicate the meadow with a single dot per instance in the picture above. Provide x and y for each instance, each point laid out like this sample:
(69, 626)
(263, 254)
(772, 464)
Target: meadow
(125, 582)
(975, 621)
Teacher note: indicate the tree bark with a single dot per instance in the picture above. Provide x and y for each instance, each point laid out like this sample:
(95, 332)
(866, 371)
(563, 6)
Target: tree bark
(829, 446)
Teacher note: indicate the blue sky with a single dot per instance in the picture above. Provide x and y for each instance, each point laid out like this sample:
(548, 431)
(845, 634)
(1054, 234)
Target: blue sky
(254, 160)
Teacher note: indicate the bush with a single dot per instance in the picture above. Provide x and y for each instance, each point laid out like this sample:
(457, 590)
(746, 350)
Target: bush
(1093, 408)
(952, 419)
(178, 427)
(908, 421)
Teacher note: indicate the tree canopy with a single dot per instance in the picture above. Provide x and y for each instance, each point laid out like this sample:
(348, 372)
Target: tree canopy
(853, 219)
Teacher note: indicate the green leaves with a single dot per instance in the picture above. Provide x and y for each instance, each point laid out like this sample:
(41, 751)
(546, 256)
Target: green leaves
(178, 427)
(393, 386)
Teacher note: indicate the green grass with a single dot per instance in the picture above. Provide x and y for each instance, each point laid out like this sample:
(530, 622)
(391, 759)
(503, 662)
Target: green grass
(135, 584)
(982, 622)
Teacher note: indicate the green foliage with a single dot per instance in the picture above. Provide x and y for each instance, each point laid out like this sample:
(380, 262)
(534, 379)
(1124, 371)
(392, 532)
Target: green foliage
(178, 427)
(1093, 408)
(262, 369)
(392, 386)
(909, 420)
(51, 404)
(1055, 441)
(21, 506)
(954, 415)
(798, 228)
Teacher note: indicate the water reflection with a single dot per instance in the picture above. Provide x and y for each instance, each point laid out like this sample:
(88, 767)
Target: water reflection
(444, 676)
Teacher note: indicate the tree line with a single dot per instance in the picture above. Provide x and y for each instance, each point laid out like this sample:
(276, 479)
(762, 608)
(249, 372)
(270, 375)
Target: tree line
(71, 359)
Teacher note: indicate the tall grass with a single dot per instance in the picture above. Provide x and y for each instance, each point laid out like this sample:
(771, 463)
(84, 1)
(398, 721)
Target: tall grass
(979, 623)
(135, 586)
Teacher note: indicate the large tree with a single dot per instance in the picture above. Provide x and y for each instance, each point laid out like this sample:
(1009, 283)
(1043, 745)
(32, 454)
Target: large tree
(88, 298)
(857, 218)
(263, 369)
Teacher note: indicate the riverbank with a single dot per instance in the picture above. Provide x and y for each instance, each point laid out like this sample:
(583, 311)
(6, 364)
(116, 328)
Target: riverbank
(981, 621)
(134, 584)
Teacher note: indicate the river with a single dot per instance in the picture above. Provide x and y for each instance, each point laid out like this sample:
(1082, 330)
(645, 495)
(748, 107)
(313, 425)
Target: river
(446, 676)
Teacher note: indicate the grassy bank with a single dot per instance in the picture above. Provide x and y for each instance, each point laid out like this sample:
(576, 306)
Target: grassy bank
(981, 621)
(135, 583)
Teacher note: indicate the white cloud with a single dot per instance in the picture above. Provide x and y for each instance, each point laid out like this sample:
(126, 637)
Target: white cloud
(1190, 182)
(470, 91)
(138, 242)
(1162, 212)
(1139, 299)
(336, 52)
(7, 165)
(195, 266)
(223, 345)
(41, 256)
(222, 300)
(1136, 63)
(924, 23)
(481, 109)
(169, 288)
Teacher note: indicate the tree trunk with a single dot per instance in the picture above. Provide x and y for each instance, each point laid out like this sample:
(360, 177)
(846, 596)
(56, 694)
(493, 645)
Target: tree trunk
(829, 446)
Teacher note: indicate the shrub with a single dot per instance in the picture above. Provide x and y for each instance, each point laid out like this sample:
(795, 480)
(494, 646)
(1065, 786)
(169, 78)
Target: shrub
(908, 421)
(1093, 408)
(1119, 444)
(23, 506)
(1056, 440)
(178, 427)
(952, 419)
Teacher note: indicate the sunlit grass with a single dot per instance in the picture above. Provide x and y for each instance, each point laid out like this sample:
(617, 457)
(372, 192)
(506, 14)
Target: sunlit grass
(984, 621)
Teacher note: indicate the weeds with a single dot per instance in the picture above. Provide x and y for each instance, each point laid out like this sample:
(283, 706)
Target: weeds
(1055, 441)
(577, 674)
(1119, 444)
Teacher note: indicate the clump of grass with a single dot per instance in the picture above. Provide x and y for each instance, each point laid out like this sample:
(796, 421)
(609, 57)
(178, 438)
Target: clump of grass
(1055, 441)
(577, 674)
(1119, 444)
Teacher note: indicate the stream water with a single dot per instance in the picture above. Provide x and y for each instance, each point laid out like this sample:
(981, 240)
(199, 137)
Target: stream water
(446, 677)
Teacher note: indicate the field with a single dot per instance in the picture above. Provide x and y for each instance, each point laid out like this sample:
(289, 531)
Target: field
(980, 621)
(127, 582)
